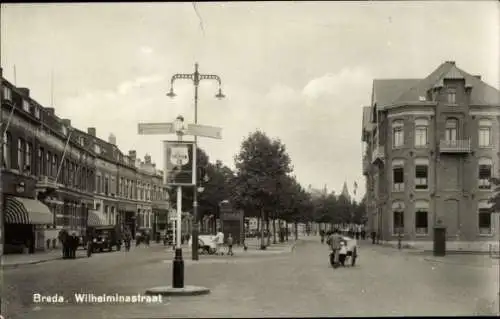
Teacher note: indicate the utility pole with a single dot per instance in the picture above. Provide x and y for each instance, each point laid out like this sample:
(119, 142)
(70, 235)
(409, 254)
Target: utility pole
(196, 77)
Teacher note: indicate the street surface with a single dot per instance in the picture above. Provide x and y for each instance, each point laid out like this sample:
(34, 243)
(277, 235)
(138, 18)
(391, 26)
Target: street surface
(301, 283)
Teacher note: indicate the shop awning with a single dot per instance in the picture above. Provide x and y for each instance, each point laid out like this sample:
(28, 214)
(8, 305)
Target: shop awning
(20, 210)
(95, 218)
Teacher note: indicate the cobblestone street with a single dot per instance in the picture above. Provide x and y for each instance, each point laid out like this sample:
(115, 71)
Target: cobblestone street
(300, 283)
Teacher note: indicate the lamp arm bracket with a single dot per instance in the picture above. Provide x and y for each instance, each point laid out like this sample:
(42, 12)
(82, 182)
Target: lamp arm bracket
(211, 77)
(181, 76)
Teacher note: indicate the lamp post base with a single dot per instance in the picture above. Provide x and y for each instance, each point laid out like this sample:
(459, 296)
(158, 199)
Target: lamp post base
(178, 270)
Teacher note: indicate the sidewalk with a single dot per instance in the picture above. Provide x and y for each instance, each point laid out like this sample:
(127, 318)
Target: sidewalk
(15, 260)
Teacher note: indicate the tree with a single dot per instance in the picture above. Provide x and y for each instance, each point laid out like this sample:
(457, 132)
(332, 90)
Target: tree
(260, 163)
(359, 216)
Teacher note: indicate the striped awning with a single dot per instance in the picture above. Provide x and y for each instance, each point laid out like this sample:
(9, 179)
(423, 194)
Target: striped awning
(95, 218)
(20, 210)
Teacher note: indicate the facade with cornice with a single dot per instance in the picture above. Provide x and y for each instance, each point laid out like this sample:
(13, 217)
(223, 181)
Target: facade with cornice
(55, 176)
(431, 147)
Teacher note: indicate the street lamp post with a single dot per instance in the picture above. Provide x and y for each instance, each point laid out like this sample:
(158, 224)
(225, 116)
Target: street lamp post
(196, 77)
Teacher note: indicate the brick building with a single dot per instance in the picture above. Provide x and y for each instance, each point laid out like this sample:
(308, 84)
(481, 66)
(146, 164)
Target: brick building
(431, 147)
(55, 176)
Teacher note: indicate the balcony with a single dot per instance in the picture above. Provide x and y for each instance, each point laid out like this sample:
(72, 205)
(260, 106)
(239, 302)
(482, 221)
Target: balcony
(46, 183)
(366, 164)
(455, 146)
(378, 154)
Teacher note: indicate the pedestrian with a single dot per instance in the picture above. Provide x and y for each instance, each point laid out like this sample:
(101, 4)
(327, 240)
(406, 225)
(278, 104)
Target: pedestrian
(322, 234)
(374, 236)
(219, 241)
(73, 245)
(342, 253)
(230, 245)
(335, 240)
(363, 234)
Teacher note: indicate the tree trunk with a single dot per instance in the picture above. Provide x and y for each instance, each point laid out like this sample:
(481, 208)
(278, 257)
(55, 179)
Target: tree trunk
(268, 233)
(286, 231)
(296, 230)
(280, 230)
(274, 231)
(262, 243)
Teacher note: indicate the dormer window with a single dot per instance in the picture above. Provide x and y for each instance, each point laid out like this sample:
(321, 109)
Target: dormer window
(451, 94)
(37, 112)
(97, 149)
(81, 140)
(7, 93)
(26, 106)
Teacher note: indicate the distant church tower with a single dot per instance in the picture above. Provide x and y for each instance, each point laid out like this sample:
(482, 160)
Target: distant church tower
(345, 191)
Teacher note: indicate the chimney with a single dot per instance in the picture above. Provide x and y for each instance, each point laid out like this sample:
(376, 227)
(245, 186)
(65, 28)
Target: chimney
(133, 155)
(147, 159)
(50, 110)
(112, 139)
(91, 131)
(451, 62)
(24, 91)
(66, 122)
(477, 77)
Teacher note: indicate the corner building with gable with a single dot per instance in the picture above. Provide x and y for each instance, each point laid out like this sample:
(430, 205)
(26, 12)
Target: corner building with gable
(431, 147)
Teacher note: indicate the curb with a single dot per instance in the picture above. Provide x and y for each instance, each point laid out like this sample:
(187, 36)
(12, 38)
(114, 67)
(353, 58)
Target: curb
(443, 261)
(34, 262)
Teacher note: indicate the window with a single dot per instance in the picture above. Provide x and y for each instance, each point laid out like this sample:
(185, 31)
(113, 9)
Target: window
(106, 185)
(452, 96)
(484, 133)
(398, 176)
(98, 183)
(7, 141)
(97, 149)
(421, 127)
(113, 185)
(421, 173)
(39, 167)
(397, 133)
(451, 132)
(421, 217)
(37, 112)
(54, 166)
(398, 218)
(81, 140)
(7, 93)
(484, 220)
(20, 155)
(26, 106)
(485, 165)
(28, 158)
(48, 167)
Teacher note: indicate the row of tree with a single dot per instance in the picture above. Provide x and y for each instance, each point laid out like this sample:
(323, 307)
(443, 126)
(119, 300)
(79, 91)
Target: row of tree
(263, 186)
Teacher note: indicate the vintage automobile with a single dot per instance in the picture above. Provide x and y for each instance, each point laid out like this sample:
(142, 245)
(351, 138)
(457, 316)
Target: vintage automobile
(352, 251)
(105, 238)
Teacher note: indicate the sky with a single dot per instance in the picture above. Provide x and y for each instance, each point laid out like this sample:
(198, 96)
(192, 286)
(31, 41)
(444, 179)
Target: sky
(300, 72)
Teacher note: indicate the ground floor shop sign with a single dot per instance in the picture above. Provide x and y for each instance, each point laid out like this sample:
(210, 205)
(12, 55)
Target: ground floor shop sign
(232, 221)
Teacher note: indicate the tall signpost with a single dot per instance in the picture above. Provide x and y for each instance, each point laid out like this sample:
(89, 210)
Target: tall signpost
(196, 77)
(180, 171)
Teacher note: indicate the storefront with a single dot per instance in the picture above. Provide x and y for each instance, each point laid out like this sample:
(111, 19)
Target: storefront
(127, 216)
(25, 221)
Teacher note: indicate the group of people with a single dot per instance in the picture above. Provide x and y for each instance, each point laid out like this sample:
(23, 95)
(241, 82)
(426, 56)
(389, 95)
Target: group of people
(219, 242)
(70, 243)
